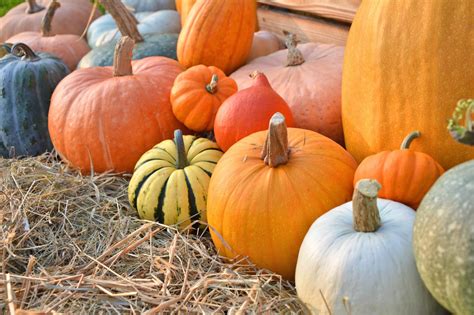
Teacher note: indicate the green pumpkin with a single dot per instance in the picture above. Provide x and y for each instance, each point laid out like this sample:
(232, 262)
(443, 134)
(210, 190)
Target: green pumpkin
(27, 81)
(154, 45)
(444, 230)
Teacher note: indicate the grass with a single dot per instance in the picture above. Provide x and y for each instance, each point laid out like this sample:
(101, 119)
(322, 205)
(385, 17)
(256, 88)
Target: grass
(6, 5)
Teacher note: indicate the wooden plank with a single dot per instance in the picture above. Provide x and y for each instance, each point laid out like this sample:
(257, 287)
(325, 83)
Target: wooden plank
(340, 10)
(307, 28)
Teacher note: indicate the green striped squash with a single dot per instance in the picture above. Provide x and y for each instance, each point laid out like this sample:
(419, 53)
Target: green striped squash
(170, 181)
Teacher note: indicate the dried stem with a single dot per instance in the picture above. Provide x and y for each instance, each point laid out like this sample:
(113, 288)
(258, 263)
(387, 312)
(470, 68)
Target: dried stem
(48, 18)
(275, 150)
(33, 7)
(126, 21)
(364, 206)
(123, 57)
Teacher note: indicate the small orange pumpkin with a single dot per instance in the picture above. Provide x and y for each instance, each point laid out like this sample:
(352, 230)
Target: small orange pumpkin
(198, 93)
(405, 175)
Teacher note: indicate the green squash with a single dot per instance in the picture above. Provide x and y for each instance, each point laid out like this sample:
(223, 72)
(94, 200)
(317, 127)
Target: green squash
(154, 45)
(444, 230)
(27, 81)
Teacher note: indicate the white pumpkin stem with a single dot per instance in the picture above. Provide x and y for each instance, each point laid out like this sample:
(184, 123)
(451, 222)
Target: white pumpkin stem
(295, 56)
(275, 151)
(123, 57)
(48, 18)
(409, 139)
(364, 206)
(126, 21)
(181, 158)
(33, 7)
(212, 86)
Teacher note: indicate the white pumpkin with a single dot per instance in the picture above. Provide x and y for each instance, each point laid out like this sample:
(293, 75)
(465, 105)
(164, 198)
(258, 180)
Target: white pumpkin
(367, 272)
(150, 5)
(104, 29)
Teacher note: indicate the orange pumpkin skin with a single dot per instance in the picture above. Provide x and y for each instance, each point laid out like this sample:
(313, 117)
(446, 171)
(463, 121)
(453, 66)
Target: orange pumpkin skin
(72, 18)
(248, 111)
(396, 81)
(218, 33)
(263, 212)
(70, 48)
(194, 101)
(109, 122)
(405, 175)
(186, 6)
(178, 5)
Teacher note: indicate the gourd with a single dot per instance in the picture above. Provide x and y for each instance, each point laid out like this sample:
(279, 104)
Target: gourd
(269, 188)
(27, 16)
(68, 47)
(405, 175)
(150, 5)
(218, 33)
(145, 46)
(308, 77)
(27, 80)
(198, 93)
(396, 81)
(104, 30)
(104, 118)
(170, 181)
(443, 236)
(186, 6)
(357, 259)
(264, 43)
(248, 111)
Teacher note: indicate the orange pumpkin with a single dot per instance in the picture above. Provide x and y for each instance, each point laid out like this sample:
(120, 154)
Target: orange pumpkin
(248, 111)
(27, 17)
(178, 5)
(105, 118)
(70, 48)
(268, 189)
(198, 93)
(218, 33)
(186, 6)
(405, 175)
(309, 78)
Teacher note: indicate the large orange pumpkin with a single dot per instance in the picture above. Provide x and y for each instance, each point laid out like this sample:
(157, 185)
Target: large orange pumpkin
(27, 17)
(186, 6)
(268, 189)
(198, 93)
(218, 33)
(311, 85)
(105, 118)
(405, 175)
(70, 48)
(248, 111)
(406, 64)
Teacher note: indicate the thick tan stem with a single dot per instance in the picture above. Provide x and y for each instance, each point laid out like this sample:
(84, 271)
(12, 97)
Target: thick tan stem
(123, 57)
(295, 56)
(126, 21)
(409, 139)
(275, 151)
(33, 7)
(48, 18)
(364, 206)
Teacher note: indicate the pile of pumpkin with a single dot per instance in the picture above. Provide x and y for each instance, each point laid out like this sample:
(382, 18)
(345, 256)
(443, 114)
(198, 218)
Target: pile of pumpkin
(295, 154)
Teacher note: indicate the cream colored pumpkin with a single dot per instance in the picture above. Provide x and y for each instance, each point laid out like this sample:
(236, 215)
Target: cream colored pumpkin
(264, 43)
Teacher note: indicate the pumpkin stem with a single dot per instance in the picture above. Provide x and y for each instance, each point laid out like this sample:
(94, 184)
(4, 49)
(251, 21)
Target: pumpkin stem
(364, 206)
(33, 7)
(123, 57)
(462, 134)
(275, 151)
(212, 87)
(409, 139)
(48, 18)
(126, 21)
(295, 56)
(181, 159)
(24, 51)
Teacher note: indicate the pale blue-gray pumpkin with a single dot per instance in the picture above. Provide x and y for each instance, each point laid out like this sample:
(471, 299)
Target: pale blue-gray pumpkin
(150, 5)
(170, 181)
(27, 81)
(444, 228)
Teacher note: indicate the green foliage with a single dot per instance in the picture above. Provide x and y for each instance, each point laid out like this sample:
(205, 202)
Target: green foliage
(6, 5)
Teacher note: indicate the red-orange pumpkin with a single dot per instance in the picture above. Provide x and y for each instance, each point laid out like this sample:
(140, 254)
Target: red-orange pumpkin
(405, 175)
(248, 111)
(105, 118)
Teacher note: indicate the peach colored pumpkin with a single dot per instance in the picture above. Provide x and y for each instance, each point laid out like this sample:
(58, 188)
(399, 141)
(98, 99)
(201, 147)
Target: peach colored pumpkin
(264, 43)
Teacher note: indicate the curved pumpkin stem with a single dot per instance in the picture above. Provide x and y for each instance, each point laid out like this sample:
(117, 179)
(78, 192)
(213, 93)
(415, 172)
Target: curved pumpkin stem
(212, 87)
(24, 51)
(275, 151)
(33, 7)
(409, 139)
(181, 158)
(462, 134)
(48, 18)
(295, 56)
(123, 57)
(364, 206)
(125, 20)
